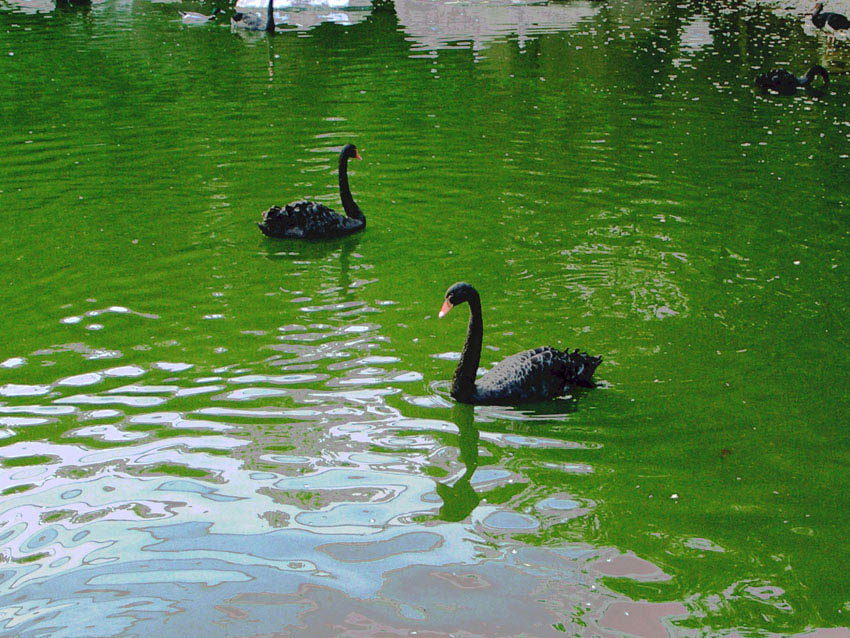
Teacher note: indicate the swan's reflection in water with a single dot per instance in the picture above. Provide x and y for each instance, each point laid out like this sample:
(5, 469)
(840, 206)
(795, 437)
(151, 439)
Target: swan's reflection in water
(334, 259)
(459, 497)
(458, 493)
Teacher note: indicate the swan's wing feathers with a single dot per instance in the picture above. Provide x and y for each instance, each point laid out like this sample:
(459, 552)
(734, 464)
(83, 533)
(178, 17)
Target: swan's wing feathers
(303, 219)
(837, 21)
(526, 376)
(537, 375)
(778, 80)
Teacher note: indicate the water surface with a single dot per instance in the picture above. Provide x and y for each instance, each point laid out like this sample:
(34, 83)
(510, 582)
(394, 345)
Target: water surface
(202, 427)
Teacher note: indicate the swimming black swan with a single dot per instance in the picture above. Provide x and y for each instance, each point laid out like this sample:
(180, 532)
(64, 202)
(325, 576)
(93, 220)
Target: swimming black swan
(829, 21)
(787, 83)
(534, 375)
(191, 17)
(254, 21)
(309, 220)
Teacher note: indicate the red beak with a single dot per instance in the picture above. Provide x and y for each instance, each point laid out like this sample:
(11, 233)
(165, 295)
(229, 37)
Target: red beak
(357, 155)
(445, 309)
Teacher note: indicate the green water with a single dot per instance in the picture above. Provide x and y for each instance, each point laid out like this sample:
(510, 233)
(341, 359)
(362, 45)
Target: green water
(274, 415)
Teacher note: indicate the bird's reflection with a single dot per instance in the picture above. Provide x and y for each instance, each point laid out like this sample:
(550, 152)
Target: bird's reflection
(83, 6)
(459, 499)
(319, 255)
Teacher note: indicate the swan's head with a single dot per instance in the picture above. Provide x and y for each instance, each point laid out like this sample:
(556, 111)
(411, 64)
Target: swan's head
(349, 151)
(817, 69)
(458, 293)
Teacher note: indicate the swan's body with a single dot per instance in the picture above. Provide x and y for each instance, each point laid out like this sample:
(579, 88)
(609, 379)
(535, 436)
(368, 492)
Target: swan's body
(786, 83)
(191, 17)
(255, 21)
(311, 220)
(831, 23)
(307, 220)
(534, 375)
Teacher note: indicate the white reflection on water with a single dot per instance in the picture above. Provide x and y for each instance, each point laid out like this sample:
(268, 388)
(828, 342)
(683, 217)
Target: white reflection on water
(306, 14)
(433, 25)
(352, 515)
(285, 494)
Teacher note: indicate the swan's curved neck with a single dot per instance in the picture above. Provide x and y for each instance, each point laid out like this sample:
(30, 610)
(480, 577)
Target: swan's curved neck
(348, 204)
(270, 19)
(810, 75)
(463, 381)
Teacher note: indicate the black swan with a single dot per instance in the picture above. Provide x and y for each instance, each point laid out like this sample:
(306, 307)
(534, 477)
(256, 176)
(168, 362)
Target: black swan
(309, 220)
(191, 17)
(829, 21)
(254, 21)
(534, 375)
(787, 83)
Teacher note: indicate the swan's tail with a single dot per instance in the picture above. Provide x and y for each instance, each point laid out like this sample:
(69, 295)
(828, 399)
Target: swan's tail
(582, 366)
(275, 221)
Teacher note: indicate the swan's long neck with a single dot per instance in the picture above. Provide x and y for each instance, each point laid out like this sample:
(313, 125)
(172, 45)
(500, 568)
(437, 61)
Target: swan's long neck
(463, 381)
(270, 19)
(817, 19)
(810, 75)
(348, 204)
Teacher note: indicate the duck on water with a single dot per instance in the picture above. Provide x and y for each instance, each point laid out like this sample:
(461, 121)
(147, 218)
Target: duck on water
(193, 17)
(311, 220)
(533, 375)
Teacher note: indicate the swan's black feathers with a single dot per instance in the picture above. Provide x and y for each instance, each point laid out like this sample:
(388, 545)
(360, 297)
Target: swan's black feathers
(786, 83)
(778, 80)
(535, 375)
(311, 220)
(306, 220)
(835, 21)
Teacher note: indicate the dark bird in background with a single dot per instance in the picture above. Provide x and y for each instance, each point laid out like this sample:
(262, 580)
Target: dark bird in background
(311, 220)
(254, 21)
(534, 375)
(786, 83)
(829, 22)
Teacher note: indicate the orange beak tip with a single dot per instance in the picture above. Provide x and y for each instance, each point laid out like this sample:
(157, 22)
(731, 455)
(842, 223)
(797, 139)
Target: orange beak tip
(445, 309)
(357, 155)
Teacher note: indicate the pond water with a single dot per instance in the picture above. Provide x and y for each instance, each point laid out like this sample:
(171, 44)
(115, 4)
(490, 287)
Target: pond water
(205, 429)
